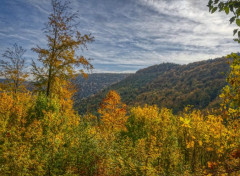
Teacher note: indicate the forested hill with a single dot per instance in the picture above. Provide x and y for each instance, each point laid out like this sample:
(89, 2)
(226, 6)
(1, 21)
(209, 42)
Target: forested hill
(95, 82)
(169, 85)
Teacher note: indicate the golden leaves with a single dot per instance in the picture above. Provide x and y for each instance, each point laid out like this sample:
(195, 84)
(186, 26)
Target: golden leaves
(190, 144)
(151, 141)
(113, 112)
(185, 122)
(59, 58)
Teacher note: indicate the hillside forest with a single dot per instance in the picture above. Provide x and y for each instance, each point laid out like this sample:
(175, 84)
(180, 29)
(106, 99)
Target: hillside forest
(166, 85)
(43, 133)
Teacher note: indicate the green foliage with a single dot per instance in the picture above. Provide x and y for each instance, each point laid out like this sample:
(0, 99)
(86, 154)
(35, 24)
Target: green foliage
(41, 136)
(228, 6)
(44, 104)
(231, 92)
(169, 85)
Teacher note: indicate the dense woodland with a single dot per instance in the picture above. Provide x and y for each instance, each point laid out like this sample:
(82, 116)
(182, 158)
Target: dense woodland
(168, 85)
(42, 134)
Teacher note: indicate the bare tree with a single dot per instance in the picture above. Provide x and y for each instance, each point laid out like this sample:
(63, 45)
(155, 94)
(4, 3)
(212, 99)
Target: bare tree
(12, 68)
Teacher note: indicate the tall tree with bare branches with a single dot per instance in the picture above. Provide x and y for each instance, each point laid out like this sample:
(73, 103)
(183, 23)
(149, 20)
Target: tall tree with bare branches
(13, 68)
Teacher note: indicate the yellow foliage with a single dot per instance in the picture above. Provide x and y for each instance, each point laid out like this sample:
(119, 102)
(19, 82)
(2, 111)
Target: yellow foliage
(113, 112)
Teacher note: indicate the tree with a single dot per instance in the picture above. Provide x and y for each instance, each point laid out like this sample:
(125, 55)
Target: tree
(231, 92)
(228, 6)
(113, 112)
(60, 57)
(12, 67)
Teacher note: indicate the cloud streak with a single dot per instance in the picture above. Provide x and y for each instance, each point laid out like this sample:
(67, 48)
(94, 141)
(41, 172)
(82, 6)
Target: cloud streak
(129, 34)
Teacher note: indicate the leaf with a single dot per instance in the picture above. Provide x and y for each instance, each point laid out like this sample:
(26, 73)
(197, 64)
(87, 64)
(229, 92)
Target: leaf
(231, 7)
(210, 5)
(238, 22)
(221, 6)
(235, 31)
(226, 10)
(214, 9)
(238, 11)
(236, 40)
(232, 19)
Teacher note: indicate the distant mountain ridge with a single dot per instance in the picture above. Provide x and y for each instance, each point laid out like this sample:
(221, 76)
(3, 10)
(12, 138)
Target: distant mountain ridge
(86, 87)
(96, 82)
(168, 85)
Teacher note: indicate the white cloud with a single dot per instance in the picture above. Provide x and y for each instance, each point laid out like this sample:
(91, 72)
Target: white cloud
(133, 34)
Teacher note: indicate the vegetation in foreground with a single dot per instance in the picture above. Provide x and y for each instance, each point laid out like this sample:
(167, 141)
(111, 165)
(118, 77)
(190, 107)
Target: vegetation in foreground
(44, 136)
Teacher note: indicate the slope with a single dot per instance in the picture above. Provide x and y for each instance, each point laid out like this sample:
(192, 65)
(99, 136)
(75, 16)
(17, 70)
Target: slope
(169, 85)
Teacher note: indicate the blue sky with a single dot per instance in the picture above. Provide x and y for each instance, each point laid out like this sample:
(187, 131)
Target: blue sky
(129, 34)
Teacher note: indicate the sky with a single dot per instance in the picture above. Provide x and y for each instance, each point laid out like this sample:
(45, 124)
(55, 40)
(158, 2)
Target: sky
(129, 34)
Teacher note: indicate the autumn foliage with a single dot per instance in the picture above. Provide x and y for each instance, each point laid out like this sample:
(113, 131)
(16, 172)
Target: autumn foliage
(42, 136)
(41, 133)
(113, 112)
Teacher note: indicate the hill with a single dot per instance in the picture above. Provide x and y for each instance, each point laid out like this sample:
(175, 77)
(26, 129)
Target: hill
(91, 85)
(168, 85)
(95, 82)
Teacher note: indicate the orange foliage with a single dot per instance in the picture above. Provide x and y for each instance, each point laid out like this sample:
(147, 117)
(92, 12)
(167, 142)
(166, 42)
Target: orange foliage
(113, 112)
